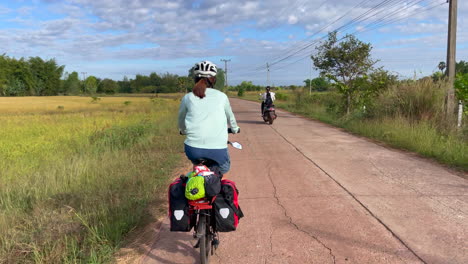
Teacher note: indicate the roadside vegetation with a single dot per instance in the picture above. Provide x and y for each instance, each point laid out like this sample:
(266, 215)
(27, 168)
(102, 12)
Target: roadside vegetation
(38, 77)
(352, 94)
(77, 173)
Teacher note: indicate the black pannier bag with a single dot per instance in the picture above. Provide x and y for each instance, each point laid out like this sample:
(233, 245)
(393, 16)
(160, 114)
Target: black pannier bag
(179, 214)
(212, 185)
(226, 209)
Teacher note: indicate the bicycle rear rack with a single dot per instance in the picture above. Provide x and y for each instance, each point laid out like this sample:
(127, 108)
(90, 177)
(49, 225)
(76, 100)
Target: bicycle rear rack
(201, 204)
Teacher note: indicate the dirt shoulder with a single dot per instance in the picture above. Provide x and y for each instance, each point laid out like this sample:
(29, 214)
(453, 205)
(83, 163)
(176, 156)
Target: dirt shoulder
(141, 239)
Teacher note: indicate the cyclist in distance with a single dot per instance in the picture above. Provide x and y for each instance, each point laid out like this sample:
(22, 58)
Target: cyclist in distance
(203, 117)
(267, 97)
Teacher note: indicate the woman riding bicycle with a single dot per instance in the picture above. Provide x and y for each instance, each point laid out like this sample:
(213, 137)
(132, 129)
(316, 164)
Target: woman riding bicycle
(203, 117)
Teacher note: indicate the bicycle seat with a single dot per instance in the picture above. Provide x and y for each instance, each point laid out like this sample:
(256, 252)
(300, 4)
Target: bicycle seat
(207, 162)
(211, 164)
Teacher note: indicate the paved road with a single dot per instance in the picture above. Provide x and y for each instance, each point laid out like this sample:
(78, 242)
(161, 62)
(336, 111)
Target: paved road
(314, 194)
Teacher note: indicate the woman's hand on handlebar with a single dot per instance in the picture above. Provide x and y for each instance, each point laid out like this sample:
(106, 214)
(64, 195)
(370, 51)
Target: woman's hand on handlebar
(230, 131)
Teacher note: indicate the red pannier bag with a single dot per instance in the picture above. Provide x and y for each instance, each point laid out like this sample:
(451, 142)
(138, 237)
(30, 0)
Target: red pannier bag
(226, 209)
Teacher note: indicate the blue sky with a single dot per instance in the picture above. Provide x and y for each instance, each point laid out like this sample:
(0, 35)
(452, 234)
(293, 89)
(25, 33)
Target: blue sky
(117, 38)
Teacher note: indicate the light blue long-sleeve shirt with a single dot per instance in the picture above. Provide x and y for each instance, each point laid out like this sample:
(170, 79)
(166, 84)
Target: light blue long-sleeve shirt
(204, 121)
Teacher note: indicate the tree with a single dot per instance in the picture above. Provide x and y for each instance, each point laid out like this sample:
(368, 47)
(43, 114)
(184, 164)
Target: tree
(369, 86)
(169, 83)
(184, 84)
(155, 79)
(343, 62)
(125, 85)
(46, 76)
(71, 85)
(461, 89)
(319, 84)
(20, 81)
(108, 86)
(220, 80)
(90, 85)
(191, 73)
(461, 67)
(442, 66)
(246, 86)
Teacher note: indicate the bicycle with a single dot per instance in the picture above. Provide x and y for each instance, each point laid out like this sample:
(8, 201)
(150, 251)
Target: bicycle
(207, 236)
(204, 229)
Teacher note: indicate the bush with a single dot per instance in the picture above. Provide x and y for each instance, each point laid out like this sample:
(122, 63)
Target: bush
(330, 100)
(149, 89)
(241, 92)
(415, 100)
(281, 96)
(461, 90)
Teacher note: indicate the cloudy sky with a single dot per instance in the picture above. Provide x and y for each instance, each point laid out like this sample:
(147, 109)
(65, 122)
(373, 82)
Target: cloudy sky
(116, 38)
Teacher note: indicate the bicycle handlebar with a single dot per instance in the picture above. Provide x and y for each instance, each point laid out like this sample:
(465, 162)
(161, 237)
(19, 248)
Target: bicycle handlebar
(229, 131)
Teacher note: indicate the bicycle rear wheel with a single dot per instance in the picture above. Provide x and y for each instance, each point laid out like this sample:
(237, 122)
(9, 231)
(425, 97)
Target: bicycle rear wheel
(204, 241)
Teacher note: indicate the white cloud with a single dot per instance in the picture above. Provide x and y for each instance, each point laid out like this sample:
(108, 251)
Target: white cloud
(94, 30)
(4, 10)
(292, 19)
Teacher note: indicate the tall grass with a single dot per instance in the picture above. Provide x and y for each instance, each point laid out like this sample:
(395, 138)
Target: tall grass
(409, 115)
(74, 181)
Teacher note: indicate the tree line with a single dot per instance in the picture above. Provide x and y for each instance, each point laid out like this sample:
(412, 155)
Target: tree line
(38, 77)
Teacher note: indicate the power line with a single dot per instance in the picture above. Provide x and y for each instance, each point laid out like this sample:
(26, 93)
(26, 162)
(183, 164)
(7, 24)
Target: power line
(399, 18)
(320, 30)
(372, 12)
(354, 20)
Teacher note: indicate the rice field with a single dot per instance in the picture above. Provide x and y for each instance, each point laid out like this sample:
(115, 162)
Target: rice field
(76, 173)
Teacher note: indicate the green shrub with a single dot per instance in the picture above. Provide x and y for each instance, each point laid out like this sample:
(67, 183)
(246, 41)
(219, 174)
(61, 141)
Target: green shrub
(149, 89)
(461, 90)
(281, 96)
(241, 92)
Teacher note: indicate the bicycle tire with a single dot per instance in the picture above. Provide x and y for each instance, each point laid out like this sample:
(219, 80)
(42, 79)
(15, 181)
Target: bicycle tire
(209, 239)
(203, 241)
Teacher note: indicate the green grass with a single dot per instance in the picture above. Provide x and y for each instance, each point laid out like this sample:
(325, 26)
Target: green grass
(425, 137)
(75, 181)
(421, 137)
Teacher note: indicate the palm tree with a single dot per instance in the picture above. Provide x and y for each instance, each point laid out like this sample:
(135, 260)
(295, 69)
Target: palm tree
(442, 66)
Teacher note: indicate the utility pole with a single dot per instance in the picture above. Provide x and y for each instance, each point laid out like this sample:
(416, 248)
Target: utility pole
(226, 72)
(268, 74)
(451, 56)
(84, 75)
(310, 79)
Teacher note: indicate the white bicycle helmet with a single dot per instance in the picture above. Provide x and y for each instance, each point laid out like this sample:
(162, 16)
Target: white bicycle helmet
(205, 69)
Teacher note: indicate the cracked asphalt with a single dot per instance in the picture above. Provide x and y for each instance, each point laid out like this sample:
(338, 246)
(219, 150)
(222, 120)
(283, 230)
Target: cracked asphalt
(314, 194)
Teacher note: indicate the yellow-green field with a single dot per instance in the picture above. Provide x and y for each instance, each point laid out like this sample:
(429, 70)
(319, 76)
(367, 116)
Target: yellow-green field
(77, 173)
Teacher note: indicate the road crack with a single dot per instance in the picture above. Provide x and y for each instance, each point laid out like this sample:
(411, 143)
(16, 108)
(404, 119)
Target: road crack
(291, 222)
(352, 196)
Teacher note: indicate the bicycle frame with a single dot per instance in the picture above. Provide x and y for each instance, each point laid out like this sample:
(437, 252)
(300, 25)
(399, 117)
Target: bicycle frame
(203, 229)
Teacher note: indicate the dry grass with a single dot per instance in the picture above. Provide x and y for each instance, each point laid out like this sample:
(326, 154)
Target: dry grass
(76, 179)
